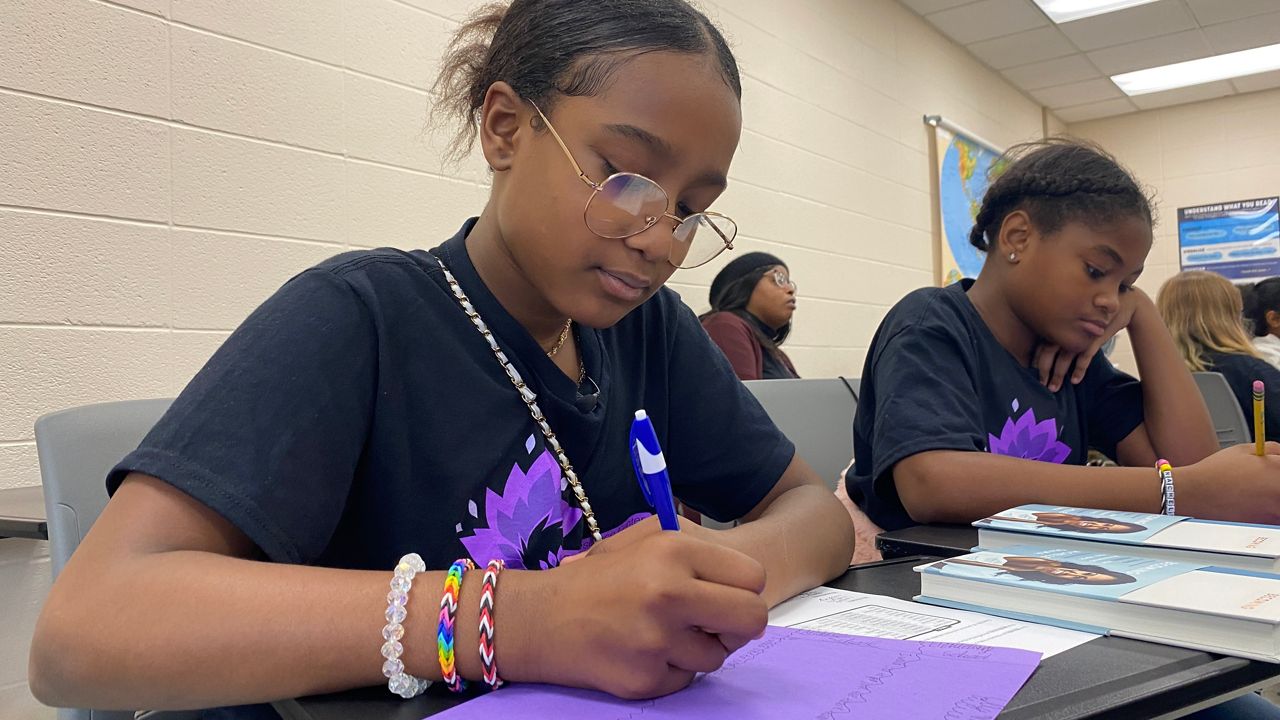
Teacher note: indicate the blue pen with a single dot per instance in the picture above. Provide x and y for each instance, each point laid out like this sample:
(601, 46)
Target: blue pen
(651, 471)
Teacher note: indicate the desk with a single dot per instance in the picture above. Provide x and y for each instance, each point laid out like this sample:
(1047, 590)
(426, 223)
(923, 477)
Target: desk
(1104, 678)
(22, 513)
(940, 540)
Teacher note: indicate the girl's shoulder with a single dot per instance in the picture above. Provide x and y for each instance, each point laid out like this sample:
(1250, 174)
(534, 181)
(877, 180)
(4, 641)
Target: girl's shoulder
(364, 288)
(942, 311)
(388, 276)
(385, 261)
(723, 319)
(1243, 365)
(1219, 358)
(1269, 348)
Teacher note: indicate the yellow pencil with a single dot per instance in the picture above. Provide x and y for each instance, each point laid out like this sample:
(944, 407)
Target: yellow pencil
(1259, 420)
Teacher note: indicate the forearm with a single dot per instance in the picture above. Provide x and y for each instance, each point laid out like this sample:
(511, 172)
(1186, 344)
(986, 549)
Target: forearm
(186, 629)
(194, 629)
(803, 539)
(1176, 417)
(961, 487)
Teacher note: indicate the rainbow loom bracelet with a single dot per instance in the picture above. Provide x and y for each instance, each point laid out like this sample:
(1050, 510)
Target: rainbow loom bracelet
(444, 633)
(486, 625)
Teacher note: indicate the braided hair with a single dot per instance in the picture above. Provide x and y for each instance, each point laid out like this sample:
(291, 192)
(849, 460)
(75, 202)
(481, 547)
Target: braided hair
(1056, 180)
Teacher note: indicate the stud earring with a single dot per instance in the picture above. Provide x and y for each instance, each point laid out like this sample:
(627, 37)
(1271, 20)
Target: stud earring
(1013, 257)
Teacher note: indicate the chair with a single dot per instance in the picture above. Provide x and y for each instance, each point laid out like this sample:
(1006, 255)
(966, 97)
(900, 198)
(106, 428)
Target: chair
(817, 415)
(1224, 410)
(77, 447)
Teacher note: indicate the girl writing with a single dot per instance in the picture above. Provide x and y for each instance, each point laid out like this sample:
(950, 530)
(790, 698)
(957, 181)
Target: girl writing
(432, 410)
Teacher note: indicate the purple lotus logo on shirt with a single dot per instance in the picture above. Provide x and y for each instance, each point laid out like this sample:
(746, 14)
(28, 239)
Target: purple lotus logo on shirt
(526, 525)
(1028, 439)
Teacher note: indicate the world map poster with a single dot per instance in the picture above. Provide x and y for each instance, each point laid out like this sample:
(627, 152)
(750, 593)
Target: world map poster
(963, 172)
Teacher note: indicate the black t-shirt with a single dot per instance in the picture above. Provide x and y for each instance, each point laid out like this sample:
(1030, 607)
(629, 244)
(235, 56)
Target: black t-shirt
(937, 379)
(358, 415)
(1240, 372)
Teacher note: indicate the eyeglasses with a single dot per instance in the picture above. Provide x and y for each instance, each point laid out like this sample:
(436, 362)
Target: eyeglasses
(627, 204)
(783, 281)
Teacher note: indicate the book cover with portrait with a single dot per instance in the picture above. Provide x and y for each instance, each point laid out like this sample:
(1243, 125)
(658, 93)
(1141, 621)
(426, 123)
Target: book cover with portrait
(1177, 538)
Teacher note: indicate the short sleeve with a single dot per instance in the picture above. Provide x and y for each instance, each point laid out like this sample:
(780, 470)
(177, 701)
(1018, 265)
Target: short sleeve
(269, 433)
(1113, 402)
(728, 452)
(926, 399)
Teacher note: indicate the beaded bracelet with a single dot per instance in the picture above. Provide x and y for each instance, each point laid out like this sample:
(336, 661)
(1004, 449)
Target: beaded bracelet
(398, 681)
(1166, 486)
(486, 624)
(448, 611)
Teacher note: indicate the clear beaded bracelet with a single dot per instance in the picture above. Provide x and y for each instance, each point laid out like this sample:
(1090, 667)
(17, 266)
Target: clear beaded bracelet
(398, 681)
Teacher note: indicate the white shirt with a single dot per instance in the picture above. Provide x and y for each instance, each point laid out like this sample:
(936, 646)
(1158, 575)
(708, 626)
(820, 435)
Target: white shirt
(1269, 347)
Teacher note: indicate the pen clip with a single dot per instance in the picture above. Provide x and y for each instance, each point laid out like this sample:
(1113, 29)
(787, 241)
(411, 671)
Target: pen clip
(637, 447)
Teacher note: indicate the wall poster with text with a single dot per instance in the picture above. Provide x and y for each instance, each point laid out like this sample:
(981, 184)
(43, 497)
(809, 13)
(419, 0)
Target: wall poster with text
(1239, 240)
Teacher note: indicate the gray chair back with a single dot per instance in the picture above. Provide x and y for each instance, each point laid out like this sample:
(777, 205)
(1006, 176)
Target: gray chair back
(817, 415)
(77, 447)
(1228, 419)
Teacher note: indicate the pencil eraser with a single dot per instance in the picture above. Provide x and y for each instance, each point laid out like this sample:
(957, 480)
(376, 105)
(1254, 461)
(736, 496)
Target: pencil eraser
(1258, 386)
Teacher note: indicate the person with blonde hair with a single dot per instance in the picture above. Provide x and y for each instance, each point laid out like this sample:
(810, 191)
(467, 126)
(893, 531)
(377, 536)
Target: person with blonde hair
(1203, 311)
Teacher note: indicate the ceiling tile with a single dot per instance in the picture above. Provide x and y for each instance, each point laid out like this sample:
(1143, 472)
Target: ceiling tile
(1079, 93)
(924, 7)
(1211, 12)
(988, 19)
(1023, 48)
(1152, 52)
(1093, 111)
(1060, 71)
(1066, 67)
(1244, 34)
(1136, 23)
(1195, 93)
(1254, 83)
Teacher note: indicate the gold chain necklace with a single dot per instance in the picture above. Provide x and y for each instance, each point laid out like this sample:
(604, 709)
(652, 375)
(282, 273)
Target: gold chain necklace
(564, 335)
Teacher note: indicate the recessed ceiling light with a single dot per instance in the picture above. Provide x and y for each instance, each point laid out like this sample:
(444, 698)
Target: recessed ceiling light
(1198, 72)
(1061, 11)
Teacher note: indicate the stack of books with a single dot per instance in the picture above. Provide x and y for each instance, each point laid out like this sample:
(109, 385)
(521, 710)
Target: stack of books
(1211, 586)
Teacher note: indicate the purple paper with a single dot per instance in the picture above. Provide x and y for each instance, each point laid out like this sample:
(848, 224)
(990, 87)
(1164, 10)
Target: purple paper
(801, 673)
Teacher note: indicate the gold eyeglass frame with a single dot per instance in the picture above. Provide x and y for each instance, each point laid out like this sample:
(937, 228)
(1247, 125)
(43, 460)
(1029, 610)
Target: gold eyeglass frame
(650, 220)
